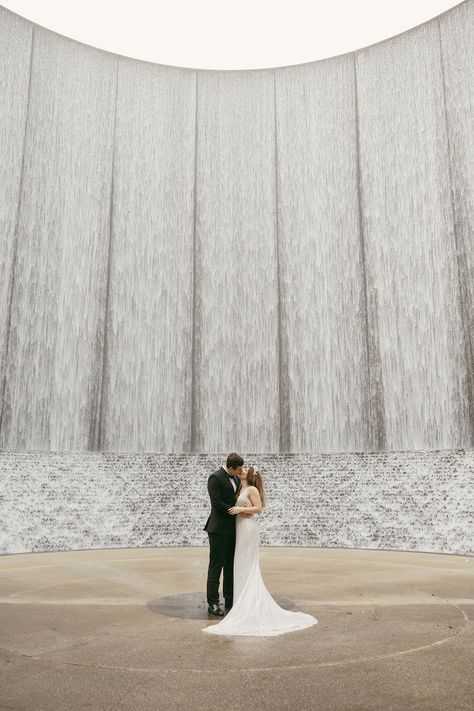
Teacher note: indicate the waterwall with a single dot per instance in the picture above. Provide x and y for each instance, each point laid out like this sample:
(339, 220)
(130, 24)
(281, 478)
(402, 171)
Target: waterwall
(414, 501)
(277, 261)
(274, 260)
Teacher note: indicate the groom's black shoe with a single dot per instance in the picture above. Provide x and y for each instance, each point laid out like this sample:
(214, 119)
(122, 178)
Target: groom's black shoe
(215, 610)
(228, 606)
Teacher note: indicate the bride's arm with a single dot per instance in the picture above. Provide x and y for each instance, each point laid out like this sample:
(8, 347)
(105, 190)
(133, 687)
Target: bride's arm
(256, 504)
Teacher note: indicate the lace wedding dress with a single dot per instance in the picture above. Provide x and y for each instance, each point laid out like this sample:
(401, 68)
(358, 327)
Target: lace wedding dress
(254, 611)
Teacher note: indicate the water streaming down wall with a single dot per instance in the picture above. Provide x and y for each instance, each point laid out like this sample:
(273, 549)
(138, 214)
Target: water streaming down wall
(268, 260)
(408, 229)
(55, 308)
(147, 374)
(236, 367)
(323, 315)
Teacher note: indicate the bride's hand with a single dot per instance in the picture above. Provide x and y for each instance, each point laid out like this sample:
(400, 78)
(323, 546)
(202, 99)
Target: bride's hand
(235, 510)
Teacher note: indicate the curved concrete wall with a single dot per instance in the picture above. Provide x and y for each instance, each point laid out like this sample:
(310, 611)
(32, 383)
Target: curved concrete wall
(273, 260)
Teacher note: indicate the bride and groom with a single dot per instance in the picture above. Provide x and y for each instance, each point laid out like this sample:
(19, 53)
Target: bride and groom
(237, 498)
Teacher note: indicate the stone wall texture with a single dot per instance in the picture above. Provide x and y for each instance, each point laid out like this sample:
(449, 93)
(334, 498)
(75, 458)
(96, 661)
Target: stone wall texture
(415, 501)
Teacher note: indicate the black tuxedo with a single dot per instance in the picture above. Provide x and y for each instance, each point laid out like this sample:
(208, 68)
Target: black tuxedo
(222, 495)
(220, 527)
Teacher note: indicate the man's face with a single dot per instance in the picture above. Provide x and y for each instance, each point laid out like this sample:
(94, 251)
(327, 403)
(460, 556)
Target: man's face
(237, 472)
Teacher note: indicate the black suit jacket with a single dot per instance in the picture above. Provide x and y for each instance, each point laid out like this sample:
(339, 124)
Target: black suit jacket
(223, 496)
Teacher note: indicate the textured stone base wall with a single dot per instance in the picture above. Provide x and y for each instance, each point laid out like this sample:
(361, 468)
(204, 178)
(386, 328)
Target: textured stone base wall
(415, 501)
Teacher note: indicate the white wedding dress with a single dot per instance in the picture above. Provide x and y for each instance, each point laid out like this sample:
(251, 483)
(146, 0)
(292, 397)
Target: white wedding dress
(254, 611)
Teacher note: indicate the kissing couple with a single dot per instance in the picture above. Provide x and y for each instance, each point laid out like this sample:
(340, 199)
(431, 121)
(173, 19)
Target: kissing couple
(237, 498)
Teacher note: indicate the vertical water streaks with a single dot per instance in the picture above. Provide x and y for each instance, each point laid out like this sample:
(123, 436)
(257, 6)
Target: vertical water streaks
(272, 260)
(16, 52)
(282, 345)
(374, 408)
(408, 240)
(456, 38)
(237, 394)
(195, 335)
(97, 421)
(61, 223)
(323, 314)
(147, 399)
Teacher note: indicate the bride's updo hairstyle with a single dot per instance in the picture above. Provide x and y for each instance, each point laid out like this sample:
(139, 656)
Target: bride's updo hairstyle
(254, 478)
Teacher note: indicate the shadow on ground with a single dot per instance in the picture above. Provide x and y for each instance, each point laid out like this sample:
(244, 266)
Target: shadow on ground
(193, 606)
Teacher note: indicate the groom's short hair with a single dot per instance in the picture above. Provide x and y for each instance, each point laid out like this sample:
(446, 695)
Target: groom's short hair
(234, 460)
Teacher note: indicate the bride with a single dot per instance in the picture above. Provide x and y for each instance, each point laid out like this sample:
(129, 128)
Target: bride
(254, 611)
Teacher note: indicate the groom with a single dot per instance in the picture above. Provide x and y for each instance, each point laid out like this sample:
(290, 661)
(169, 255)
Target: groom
(220, 526)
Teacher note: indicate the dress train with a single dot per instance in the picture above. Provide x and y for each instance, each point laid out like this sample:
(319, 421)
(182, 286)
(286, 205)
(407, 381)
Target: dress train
(254, 612)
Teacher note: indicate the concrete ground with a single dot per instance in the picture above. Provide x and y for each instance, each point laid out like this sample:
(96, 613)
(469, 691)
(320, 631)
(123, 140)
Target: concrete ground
(121, 630)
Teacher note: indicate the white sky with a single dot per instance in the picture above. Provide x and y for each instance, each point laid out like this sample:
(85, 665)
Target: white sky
(217, 34)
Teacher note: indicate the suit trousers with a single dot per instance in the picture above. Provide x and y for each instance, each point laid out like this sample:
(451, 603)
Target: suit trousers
(221, 557)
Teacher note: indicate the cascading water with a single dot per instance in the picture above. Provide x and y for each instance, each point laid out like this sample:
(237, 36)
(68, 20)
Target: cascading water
(272, 260)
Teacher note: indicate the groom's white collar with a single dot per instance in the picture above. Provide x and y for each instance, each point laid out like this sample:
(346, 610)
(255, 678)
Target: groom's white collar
(232, 481)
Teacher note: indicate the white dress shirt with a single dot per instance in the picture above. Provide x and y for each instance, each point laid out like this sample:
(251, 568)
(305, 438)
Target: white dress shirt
(231, 477)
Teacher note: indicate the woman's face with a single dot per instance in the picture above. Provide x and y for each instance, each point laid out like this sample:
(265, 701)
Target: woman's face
(243, 474)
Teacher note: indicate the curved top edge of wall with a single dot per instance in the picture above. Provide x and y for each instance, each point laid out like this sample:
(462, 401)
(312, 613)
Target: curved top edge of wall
(354, 52)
